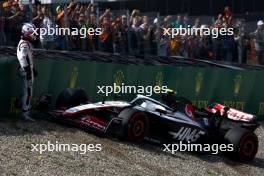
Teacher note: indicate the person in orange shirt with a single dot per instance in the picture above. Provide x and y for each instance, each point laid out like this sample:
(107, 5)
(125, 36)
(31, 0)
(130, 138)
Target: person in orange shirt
(60, 14)
(106, 39)
(175, 46)
(61, 22)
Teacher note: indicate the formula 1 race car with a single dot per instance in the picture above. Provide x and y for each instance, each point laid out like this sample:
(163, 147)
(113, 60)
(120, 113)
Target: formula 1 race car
(144, 118)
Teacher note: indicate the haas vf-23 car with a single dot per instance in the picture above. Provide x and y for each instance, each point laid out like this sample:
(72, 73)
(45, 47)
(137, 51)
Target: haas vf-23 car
(145, 118)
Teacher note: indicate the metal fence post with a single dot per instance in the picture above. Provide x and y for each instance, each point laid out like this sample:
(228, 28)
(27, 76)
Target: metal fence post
(2, 32)
(158, 33)
(92, 2)
(128, 32)
(98, 24)
(30, 10)
(66, 22)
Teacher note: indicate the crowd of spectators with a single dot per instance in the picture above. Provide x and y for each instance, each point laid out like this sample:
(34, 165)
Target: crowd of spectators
(133, 33)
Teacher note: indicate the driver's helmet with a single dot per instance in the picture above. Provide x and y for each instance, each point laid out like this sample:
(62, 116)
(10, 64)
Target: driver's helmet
(28, 31)
(169, 96)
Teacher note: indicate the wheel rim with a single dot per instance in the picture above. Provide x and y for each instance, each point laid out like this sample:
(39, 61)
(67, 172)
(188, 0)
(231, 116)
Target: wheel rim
(248, 147)
(138, 128)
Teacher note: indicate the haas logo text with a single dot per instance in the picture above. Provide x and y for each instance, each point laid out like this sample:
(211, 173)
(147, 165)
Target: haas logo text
(187, 134)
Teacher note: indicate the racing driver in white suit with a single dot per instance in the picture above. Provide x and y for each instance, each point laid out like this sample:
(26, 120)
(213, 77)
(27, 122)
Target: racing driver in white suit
(25, 58)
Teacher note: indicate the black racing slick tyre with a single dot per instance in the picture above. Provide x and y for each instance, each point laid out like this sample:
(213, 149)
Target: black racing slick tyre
(135, 125)
(245, 144)
(71, 97)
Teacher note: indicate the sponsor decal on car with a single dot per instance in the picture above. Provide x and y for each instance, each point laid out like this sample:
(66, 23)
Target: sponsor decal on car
(231, 113)
(94, 123)
(187, 134)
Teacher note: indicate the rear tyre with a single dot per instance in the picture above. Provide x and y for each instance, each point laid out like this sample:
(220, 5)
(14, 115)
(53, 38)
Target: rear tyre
(135, 125)
(71, 97)
(245, 144)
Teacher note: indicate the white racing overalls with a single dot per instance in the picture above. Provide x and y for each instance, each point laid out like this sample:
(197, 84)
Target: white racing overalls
(25, 58)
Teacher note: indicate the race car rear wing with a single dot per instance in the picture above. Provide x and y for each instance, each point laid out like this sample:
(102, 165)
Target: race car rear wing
(230, 113)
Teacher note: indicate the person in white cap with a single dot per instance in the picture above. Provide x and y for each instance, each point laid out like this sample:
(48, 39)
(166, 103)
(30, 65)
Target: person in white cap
(259, 41)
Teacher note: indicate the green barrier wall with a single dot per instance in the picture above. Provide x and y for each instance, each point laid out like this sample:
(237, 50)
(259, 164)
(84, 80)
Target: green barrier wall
(240, 89)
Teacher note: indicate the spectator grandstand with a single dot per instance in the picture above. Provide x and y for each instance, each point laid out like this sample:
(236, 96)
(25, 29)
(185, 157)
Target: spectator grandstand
(136, 33)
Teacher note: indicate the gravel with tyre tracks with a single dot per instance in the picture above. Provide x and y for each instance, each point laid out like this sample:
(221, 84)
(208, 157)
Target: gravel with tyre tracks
(115, 158)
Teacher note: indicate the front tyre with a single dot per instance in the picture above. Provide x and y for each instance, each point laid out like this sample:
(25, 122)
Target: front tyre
(71, 97)
(135, 125)
(245, 144)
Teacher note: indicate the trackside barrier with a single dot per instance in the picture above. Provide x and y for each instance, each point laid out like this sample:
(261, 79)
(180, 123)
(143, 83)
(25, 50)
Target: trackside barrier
(241, 89)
